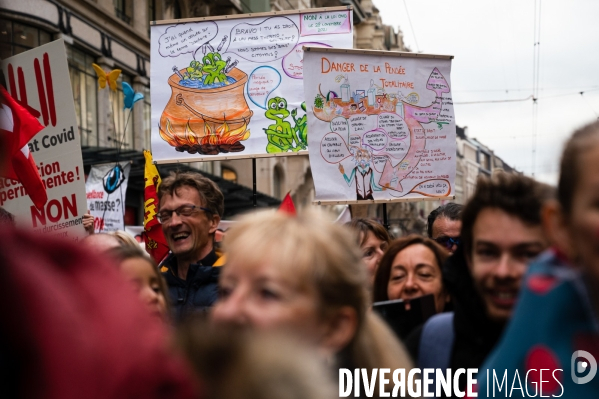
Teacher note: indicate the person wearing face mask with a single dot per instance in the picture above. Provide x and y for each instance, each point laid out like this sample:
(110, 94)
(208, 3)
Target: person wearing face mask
(501, 232)
(555, 325)
(373, 239)
(304, 276)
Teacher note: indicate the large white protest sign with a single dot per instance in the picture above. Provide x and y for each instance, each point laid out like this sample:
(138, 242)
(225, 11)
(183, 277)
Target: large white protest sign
(231, 87)
(106, 188)
(39, 80)
(381, 125)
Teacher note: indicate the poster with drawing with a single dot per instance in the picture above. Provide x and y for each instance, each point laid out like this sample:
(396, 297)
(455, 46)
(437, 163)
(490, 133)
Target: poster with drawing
(232, 87)
(38, 80)
(381, 125)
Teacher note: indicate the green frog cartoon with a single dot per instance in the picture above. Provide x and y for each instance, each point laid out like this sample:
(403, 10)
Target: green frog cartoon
(211, 69)
(281, 135)
(194, 71)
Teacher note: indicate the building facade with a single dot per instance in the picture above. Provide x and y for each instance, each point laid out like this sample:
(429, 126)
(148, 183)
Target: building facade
(116, 34)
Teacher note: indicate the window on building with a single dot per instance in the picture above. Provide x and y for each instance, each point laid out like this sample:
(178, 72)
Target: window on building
(207, 167)
(177, 10)
(485, 161)
(147, 118)
(151, 13)
(5, 39)
(122, 9)
(16, 38)
(459, 178)
(278, 182)
(471, 187)
(85, 94)
(229, 174)
(123, 119)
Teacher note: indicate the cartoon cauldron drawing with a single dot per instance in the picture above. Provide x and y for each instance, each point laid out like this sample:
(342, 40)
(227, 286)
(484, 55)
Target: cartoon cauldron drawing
(209, 120)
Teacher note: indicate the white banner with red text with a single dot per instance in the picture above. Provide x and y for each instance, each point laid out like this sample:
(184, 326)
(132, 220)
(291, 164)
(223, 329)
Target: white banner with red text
(38, 79)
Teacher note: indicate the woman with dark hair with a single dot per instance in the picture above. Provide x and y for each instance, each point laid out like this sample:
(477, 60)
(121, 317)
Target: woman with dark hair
(373, 239)
(411, 268)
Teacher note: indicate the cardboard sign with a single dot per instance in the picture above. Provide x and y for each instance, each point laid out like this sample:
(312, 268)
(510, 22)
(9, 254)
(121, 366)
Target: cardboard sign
(39, 80)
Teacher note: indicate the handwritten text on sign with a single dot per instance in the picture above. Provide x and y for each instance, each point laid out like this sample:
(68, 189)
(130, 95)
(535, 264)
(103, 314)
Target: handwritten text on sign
(269, 40)
(325, 23)
(186, 38)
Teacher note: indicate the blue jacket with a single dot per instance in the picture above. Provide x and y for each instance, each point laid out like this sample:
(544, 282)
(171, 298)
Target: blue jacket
(553, 320)
(199, 291)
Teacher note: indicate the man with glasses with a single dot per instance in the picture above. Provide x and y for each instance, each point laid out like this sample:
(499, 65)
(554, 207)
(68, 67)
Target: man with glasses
(190, 209)
(444, 225)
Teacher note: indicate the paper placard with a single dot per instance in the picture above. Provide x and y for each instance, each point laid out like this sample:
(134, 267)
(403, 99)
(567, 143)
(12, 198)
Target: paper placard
(39, 79)
(233, 88)
(384, 124)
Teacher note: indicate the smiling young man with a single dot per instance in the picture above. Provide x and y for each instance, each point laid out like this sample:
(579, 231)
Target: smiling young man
(190, 210)
(501, 232)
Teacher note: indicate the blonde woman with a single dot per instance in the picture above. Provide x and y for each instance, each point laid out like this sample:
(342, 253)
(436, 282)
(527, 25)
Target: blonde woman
(304, 275)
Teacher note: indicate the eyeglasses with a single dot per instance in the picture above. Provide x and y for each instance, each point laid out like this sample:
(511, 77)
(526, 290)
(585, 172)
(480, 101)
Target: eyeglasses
(184, 210)
(448, 242)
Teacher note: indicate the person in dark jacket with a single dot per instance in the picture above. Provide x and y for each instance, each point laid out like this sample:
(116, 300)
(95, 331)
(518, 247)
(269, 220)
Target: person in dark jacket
(190, 210)
(501, 233)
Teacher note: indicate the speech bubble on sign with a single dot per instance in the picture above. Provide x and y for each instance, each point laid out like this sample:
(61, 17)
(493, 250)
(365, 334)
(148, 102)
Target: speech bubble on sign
(379, 161)
(339, 125)
(293, 63)
(433, 188)
(397, 150)
(186, 38)
(360, 124)
(375, 139)
(394, 125)
(270, 40)
(333, 148)
(354, 140)
(262, 81)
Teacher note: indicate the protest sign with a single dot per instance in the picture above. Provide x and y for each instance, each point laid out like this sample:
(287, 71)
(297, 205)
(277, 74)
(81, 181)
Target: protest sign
(106, 188)
(38, 79)
(381, 125)
(231, 86)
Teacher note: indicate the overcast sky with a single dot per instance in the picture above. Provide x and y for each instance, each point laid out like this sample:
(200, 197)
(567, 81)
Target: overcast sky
(493, 44)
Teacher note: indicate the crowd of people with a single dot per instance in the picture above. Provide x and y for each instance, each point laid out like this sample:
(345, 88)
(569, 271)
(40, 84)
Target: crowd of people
(512, 278)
